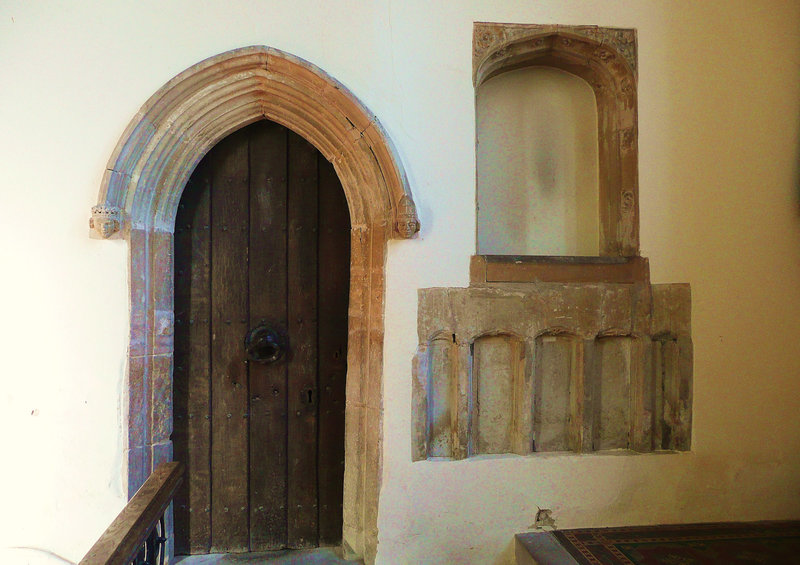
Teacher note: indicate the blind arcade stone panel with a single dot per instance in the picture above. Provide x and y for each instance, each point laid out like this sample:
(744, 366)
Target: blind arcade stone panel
(551, 367)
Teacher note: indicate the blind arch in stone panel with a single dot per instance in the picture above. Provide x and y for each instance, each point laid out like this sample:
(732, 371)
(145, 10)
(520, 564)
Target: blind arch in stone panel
(500, 399)
(558, 392)
(440, 397)
(442, 403)
(617, 392)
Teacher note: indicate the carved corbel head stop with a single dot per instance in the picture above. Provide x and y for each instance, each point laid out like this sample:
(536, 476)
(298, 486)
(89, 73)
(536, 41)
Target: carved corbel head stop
(105, 220)
(406, 223)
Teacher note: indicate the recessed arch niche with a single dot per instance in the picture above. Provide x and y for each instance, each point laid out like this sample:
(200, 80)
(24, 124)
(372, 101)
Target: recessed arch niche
(605, 58)
(536, 164)
(138, 201)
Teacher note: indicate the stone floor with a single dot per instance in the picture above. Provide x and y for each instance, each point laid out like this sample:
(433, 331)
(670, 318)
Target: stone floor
(321, 556)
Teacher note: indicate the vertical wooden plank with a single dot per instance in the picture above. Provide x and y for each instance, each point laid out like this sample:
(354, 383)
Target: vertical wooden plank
(229, 442)
(180, 387)
(268, 296)
(191, 435)
(334, 289)
(302, 374)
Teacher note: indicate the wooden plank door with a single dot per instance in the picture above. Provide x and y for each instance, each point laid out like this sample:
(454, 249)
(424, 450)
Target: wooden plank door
(262, 237)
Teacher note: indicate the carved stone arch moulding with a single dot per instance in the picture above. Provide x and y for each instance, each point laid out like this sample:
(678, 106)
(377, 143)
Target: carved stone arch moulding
(606, 59)
(138, 201)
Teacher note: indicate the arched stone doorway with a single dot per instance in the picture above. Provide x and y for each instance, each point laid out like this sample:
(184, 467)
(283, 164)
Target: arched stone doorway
(138, 201)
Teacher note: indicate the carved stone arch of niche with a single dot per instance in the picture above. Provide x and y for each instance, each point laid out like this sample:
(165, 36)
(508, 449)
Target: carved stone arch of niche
(606, 59)
(138, 201)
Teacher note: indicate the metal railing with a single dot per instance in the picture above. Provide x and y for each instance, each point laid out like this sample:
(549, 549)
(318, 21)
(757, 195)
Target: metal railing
(137, 535)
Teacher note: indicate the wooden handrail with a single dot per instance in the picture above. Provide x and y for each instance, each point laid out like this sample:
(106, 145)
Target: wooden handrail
(126, 536)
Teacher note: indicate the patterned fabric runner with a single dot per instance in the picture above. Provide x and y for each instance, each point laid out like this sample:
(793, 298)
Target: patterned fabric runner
(759, 543)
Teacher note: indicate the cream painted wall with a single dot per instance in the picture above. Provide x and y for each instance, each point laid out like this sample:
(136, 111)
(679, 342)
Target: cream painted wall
(719, 122)
(537, 164)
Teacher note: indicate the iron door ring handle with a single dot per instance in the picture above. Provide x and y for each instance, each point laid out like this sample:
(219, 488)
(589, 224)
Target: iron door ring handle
(264, 345)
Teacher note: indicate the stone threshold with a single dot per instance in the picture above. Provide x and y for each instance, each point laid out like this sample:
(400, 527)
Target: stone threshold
(316, 556)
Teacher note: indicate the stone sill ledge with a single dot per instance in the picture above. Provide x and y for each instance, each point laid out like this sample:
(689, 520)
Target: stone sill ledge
(492, 269)
(556, 455)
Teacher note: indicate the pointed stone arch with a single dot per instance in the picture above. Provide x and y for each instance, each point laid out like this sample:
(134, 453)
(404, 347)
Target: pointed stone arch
(138, 200)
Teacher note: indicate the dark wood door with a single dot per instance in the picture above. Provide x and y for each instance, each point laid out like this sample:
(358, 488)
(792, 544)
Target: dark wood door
(262, 237)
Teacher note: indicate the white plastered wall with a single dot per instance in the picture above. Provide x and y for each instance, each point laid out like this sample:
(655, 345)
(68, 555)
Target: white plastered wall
(719, 117)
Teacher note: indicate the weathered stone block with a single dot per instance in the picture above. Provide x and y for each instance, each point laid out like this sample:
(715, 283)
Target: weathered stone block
(441, 399)
(161, 398)
(138, 402)
(557, 379)
(138, 468)
(612, 407)
(496, 367)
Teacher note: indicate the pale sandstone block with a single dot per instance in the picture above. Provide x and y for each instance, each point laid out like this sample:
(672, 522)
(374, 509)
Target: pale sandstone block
(613, 374)
(596, 379)
(555, 380)
(496, 365)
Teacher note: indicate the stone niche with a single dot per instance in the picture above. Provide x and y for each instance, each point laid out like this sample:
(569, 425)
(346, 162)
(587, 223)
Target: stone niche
(559, 354)
(604, 61)
(546, 367)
